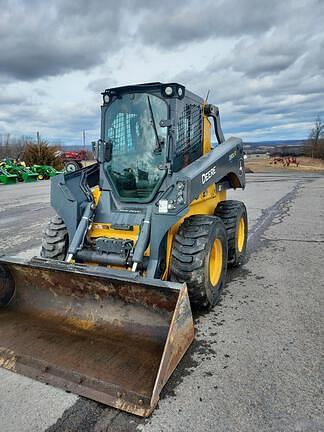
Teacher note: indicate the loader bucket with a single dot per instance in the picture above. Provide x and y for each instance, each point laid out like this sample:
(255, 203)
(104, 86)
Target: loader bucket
(93, 331)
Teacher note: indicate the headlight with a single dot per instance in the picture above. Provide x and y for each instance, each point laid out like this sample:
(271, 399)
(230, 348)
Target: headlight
(180, 199)
(168, 91)
(180, 192)
(106, 98)
(180, 91)
(180, 186)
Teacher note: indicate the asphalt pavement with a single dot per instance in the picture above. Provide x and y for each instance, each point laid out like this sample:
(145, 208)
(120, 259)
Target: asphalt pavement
(255, 362)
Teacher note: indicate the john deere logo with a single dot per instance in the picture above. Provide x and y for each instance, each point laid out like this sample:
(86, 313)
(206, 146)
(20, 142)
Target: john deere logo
(208, 175)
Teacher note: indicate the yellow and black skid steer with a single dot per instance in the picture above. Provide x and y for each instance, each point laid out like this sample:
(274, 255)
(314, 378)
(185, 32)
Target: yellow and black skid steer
(140, 237)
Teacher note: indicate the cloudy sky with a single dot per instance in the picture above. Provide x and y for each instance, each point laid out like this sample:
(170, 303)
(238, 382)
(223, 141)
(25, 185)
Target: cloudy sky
(263, 61)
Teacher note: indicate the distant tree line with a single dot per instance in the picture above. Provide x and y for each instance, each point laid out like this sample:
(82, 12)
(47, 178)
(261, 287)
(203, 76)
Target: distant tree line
(31, 151)
(315, 145)
(35, 151)
(286, 151)
(11, 147)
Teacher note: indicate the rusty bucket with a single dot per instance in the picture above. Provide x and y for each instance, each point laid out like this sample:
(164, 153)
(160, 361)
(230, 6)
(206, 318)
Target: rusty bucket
(93, 331)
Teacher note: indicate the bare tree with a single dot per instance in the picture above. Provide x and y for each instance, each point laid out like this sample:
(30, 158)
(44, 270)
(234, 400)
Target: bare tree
(15, 147)
(10, 147)
(315, 143)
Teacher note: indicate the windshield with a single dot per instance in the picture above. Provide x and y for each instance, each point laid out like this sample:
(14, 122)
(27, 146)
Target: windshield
(132, 125)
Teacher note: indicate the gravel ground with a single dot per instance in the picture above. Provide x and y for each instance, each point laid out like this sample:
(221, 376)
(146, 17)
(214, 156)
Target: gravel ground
(255, 362)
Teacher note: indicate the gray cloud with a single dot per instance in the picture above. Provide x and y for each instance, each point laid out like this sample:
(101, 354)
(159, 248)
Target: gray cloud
(7, 99)
(171, 26)
(272, 79)
(40, 39)
(100, 84)
(268, 79)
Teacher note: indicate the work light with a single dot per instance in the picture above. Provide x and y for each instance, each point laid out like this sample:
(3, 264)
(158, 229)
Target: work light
(168, 91)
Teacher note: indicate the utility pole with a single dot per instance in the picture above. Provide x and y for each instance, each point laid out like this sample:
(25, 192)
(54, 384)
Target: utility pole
(38, 137)
(6, 150)
(83, 139)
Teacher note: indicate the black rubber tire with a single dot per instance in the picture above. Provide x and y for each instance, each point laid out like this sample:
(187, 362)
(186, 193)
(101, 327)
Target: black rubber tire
(55, 240)
(190, 259)
(7, 287)
(231, 213)
(72, 165)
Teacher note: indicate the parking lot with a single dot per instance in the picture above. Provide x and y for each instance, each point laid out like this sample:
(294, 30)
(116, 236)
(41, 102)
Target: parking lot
(255, 362)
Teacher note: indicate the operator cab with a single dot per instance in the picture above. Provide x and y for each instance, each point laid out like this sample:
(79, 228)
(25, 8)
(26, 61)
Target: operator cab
(132, 127)
(148, 130)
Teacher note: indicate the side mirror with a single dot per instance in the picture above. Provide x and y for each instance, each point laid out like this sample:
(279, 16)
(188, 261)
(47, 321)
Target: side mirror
(103, 150)
(107, 150)
(94, 149)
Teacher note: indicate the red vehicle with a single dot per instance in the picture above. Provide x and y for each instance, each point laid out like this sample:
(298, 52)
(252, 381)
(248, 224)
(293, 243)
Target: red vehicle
(72, 159)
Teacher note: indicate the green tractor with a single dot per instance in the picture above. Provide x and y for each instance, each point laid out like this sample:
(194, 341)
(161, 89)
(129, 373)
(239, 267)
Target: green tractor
(5, 177)
(23, 173)
(44, 172)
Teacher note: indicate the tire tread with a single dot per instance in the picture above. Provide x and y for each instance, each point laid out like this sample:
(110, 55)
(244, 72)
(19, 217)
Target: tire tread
(189, 254)
(55, 239)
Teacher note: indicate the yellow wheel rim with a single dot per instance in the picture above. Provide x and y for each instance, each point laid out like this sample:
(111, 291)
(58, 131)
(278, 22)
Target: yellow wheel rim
(241, 235)
(215, 262)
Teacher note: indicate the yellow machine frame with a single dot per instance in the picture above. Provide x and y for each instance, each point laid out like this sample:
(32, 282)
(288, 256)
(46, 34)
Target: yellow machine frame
(205, 204)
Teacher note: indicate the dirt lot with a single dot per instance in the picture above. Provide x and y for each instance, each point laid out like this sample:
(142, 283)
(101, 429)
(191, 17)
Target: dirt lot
(306, 164)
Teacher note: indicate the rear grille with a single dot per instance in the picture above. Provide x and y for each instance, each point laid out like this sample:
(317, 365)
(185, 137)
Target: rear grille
(189, 136)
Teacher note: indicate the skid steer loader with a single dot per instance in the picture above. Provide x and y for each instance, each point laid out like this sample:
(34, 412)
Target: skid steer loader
(139, 238)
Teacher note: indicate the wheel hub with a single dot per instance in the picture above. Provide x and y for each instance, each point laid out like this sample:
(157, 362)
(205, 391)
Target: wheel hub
(215, 262)
(241, 235)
